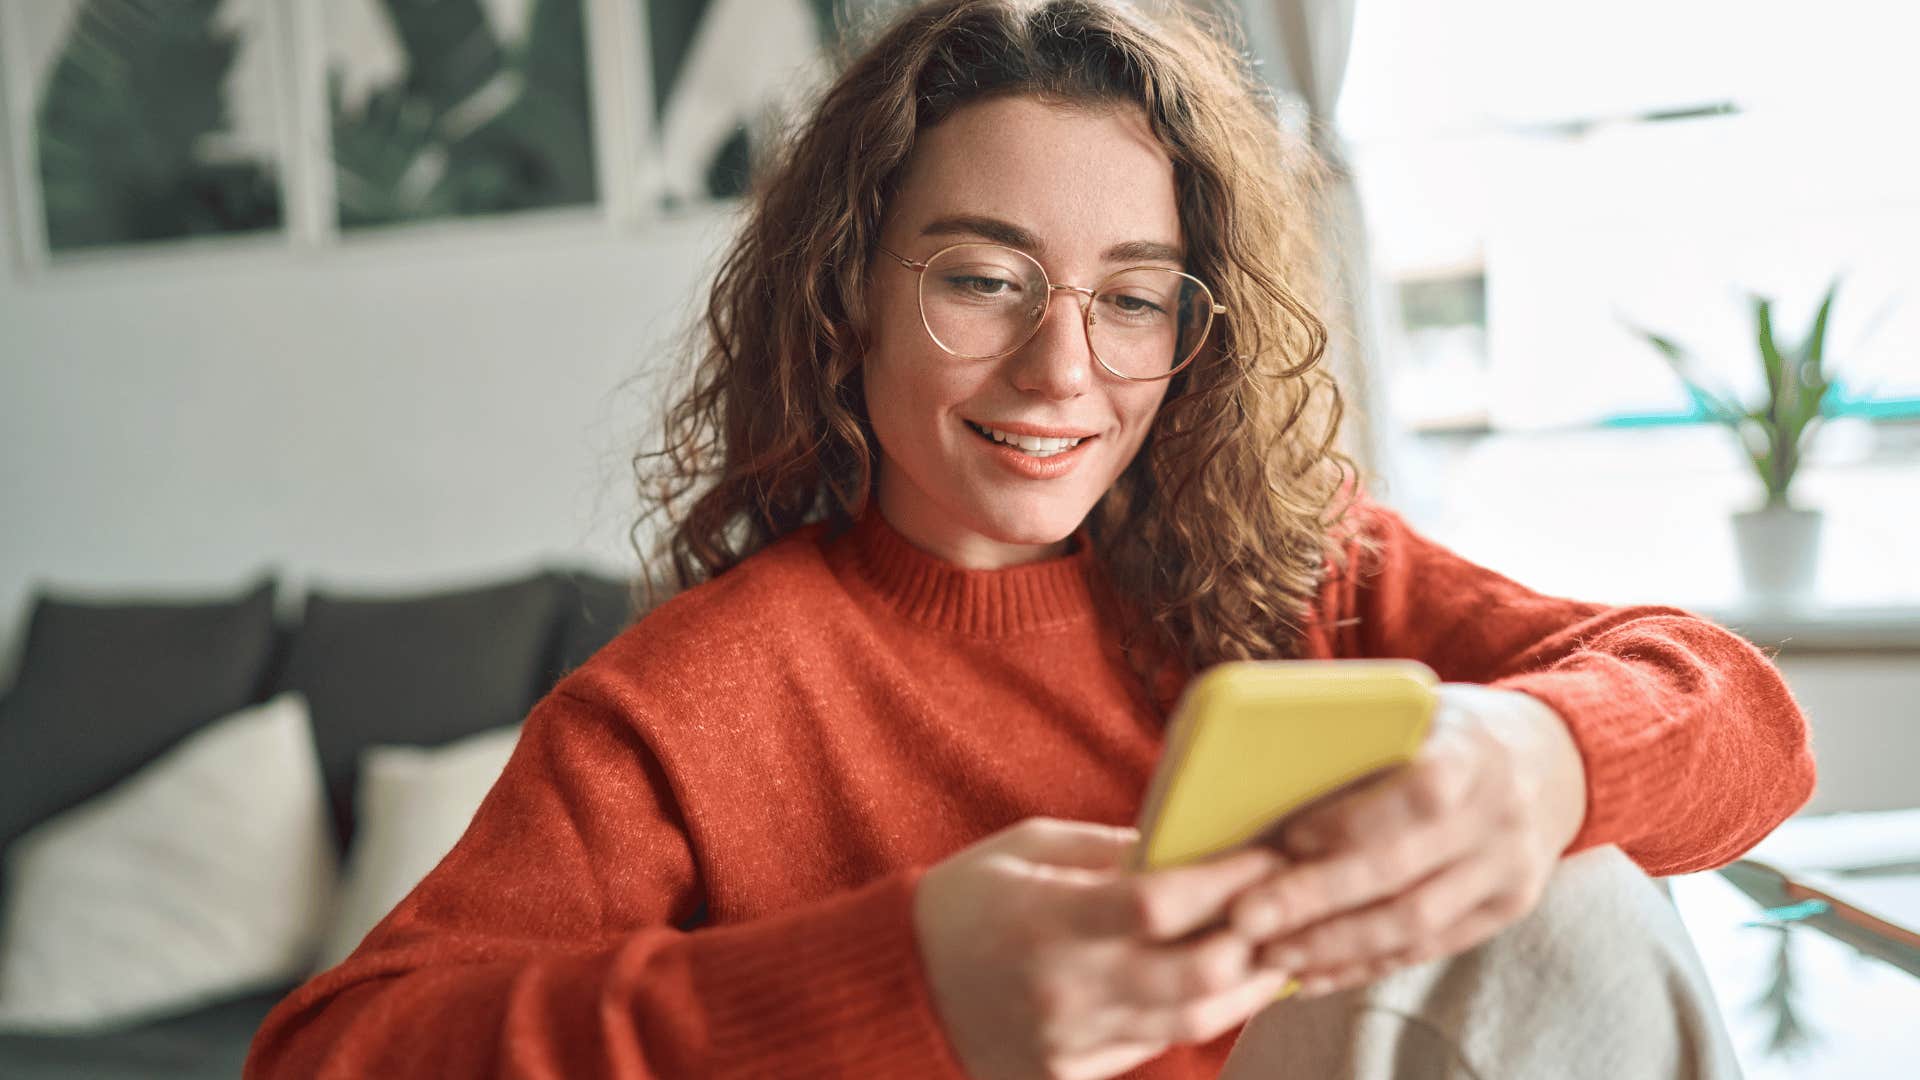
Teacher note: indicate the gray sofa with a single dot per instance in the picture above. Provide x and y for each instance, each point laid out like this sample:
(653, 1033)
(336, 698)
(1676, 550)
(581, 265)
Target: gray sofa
(104, 688)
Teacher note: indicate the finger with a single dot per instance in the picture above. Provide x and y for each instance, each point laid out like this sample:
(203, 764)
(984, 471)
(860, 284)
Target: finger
(1291, 829)
(1162, 905)
(1059, 842)
(1392, 926)
(1311, 892)
(1476, 928)
(1437, 782)
(1162, 975)
(1352, 975)
(1203, 1019)
(1369, 868)
(1119, 981)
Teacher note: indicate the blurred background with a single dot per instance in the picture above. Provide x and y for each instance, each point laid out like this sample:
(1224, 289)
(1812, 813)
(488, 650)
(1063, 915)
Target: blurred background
(375, 299)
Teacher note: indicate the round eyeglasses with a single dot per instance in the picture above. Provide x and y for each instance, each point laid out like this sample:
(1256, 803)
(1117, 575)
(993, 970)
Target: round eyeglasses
(981, 301)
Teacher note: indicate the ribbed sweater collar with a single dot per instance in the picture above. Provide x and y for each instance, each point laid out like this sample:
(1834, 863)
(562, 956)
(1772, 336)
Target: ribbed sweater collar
(944, 596)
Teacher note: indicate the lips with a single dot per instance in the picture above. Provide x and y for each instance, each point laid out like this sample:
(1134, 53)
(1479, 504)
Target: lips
(1024, 442)
(1019, 463)
(1038, 431)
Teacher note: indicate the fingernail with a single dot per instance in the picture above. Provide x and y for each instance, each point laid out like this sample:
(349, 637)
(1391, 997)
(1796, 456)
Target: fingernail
(1315, 987)
(1288, 958)
(1261, 862)
(1268, 919)
(1308, 842)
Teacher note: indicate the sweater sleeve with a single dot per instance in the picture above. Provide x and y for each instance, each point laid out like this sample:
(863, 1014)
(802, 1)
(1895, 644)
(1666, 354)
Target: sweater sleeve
(1693, 746)
(556, 940)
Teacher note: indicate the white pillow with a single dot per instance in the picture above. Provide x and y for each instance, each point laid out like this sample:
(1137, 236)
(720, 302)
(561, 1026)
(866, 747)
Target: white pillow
(206, 874)
(414, 803)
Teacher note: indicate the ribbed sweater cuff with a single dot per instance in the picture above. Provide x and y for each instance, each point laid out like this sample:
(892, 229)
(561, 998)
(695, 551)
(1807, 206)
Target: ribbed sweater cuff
(1636, 771)
(835, 988)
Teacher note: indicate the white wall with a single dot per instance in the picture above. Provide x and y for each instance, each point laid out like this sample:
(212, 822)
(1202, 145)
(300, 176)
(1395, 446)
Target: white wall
(417, 409)
(432, 407)
(1865, 741)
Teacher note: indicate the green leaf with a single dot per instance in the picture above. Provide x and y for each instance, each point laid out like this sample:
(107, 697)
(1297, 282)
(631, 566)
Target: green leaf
(1718, 408)
(1775, 364)
(476, 127)
(1813, 377)
(1756, 438)
(1815, 347)
(1788, 408)
(450, 47)
(123, 125)
(1803, 395)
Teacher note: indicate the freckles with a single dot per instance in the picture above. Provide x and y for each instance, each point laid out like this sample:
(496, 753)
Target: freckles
(1139, 414)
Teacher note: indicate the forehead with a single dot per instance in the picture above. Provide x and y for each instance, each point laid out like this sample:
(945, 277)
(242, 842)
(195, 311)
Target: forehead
(1080, 177)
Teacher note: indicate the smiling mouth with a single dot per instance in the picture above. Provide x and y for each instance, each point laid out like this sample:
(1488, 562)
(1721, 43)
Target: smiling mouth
(1047, 448)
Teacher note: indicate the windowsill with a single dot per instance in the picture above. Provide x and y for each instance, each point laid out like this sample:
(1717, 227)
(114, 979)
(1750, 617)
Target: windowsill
(1813, 628)
(1642, 516)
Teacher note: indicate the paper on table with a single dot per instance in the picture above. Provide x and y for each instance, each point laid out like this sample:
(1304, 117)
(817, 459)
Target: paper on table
(1893, 897)
(1843, 841)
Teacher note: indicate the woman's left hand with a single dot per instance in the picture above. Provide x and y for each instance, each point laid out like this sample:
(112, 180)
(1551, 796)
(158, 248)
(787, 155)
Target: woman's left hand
(1430, 859)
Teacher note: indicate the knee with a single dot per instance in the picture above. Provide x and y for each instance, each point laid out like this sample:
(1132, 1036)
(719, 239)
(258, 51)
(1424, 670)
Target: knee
(1598, 980)
(1600, 908)
(1605, 934)
(1603, 942)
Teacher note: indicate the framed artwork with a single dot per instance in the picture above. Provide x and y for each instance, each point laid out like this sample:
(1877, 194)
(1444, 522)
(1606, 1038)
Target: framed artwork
(456, 108)
(726, 74)
(134, 123)
(139, 122)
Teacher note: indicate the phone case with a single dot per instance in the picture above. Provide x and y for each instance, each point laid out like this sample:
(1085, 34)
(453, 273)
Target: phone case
(1251, 741)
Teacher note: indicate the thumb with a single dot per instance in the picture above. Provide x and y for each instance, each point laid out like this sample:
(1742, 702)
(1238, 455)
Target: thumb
(1080, 844)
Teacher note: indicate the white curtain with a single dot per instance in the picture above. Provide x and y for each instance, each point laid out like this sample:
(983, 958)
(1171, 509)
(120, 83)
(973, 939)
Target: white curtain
(1304, 45)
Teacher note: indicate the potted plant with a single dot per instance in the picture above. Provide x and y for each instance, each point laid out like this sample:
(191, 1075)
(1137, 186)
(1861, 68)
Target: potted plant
(1778, 541)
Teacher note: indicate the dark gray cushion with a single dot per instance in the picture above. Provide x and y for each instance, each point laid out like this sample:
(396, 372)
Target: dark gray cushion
(208, 1044)
(417, 670)
(104, 688)
(594, 609)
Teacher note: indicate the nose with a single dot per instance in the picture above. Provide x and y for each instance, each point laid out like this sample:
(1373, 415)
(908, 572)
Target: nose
(1057, 361)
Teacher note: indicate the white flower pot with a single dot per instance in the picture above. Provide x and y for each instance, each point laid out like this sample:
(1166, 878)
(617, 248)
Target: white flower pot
(1779, 551)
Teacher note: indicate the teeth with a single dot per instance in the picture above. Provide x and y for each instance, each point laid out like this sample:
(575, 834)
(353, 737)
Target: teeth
(1032, 444)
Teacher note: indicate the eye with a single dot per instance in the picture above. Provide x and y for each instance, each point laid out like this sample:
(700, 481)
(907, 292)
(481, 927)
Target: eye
(1135, 305)
(979, 284)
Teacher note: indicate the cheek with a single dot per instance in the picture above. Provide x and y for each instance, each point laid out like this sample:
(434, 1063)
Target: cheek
(884, 371)
(908, 379)
(907, 392)
(885, 401)
(910, 395)
(1141, 410)
(893, 362)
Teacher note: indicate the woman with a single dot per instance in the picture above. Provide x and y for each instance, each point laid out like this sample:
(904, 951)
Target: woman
(1007, 419)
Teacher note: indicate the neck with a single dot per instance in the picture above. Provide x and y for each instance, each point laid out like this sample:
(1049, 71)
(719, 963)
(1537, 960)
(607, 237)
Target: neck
(935, 531)
(928, 589)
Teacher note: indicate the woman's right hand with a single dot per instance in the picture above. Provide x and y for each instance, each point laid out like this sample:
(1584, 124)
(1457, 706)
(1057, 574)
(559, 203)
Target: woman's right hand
(1047, 958)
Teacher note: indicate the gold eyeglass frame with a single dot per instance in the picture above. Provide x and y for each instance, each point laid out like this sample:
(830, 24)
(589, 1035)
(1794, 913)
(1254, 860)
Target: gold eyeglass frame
(1214, 307)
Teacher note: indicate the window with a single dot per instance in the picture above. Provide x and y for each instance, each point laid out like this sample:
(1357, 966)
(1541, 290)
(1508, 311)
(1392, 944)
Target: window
(1646, 163)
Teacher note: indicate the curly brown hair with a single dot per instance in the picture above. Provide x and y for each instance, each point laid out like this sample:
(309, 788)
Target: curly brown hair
(1216, 537)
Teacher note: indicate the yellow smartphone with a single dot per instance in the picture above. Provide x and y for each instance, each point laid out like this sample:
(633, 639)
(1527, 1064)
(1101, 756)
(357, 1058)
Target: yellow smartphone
(1249, 742)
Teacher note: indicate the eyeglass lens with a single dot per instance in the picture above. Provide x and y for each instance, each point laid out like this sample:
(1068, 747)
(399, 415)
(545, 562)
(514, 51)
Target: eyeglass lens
(983, 300)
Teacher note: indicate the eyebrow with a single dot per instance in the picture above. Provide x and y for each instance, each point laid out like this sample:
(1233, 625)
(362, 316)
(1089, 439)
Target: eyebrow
(1006, 232)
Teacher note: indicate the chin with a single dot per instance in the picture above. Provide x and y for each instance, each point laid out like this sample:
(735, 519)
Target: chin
(1033, 522)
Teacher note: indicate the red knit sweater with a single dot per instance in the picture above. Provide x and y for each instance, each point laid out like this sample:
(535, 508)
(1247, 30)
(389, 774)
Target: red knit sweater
(777, 755)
